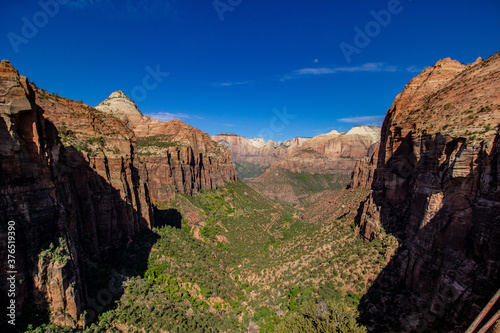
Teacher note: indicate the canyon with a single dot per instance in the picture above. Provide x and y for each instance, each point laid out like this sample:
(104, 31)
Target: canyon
(253, 156)
(328, 158)
(401, 221)
(322, 154)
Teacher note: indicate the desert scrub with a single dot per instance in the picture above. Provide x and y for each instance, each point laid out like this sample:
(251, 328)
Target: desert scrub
(160, 141)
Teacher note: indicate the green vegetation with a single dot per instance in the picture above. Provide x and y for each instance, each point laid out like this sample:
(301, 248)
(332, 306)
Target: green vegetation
(160, 141)
(184, 289)
(245, 261)
(321, 317)
(248, 171)
(56, 253)
(300, 185)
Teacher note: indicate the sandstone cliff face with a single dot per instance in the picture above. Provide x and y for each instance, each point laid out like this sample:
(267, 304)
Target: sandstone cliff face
(332, 154)
(79, 185)
(257, 151)
(364, 170)
(435, 186)
(70, 207)
(179, 158)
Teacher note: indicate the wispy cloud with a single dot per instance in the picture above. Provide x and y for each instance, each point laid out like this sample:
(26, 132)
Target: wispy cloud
(131, 6)
(81, 4)
(229, 125)
(364, 120)
(414, 69)
(229, 84)
(167, 116)
(315, 71)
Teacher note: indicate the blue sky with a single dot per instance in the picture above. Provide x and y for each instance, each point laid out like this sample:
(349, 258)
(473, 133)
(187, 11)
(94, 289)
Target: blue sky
(272, 68)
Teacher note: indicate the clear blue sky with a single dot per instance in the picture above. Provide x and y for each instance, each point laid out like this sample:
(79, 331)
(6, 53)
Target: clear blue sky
(231, 66)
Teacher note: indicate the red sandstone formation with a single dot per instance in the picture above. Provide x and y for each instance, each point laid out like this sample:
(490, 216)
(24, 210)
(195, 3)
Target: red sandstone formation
(435, 186)
(80, 183)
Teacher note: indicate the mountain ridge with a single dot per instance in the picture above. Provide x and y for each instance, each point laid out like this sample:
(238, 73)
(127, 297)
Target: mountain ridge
(257, 154)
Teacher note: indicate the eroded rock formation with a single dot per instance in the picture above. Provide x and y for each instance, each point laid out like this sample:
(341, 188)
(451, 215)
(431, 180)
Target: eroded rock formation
(327, 154)
(79, 184)
(179, 158)
(435, 186)
(332, 152)
(257, 151)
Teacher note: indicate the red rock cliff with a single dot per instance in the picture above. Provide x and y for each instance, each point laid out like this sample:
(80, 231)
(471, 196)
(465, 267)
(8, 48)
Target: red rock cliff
(79, 185)
(179, 157)
(435, 186)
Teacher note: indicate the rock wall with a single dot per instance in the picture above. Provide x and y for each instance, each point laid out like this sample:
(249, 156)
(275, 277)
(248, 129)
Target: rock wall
(179, 157)
(333, 152)
(435, 186)
(74, 182)
(257, 151)
(364, 170)
(68, 207)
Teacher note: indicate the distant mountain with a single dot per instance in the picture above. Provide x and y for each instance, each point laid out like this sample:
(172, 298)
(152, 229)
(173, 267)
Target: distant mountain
(334, 154)
(253, 156)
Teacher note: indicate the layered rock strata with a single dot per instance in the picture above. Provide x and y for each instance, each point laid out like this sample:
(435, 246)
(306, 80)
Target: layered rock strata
(258, 151)
(179, 158)
(435, 186)
(79, 184)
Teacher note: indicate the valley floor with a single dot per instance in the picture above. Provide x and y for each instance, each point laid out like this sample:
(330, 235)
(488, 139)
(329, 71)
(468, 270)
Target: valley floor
(239, 261)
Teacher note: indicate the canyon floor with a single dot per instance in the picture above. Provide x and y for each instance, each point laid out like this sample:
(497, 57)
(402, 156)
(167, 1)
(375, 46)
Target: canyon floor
(234, 260)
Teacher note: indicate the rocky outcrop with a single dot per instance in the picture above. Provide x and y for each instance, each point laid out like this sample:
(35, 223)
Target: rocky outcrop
(122, 107)
(435, 187)
(332, 154)
(79, 185)
(179, 158)
(364, 170)
(257, 151)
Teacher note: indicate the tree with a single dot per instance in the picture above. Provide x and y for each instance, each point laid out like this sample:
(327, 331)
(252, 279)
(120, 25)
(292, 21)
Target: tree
(321, 317)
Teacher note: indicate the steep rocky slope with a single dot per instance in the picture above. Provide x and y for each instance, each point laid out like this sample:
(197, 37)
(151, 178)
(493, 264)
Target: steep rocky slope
(250, 153)
(435, 186)
(179, 158)
(70, 207)
(327, 154)
(332, 152)
(79, 184)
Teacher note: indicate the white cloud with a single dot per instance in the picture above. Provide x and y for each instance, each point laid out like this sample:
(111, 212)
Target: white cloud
(364, 120)
(316, 60)
(368, 67)
(229, 84)
(414, 69)
(315, 71)
(167, 116)
(131, 6)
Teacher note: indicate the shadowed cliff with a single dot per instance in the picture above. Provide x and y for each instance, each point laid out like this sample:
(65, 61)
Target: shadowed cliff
(82, 198)
(435, 186)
